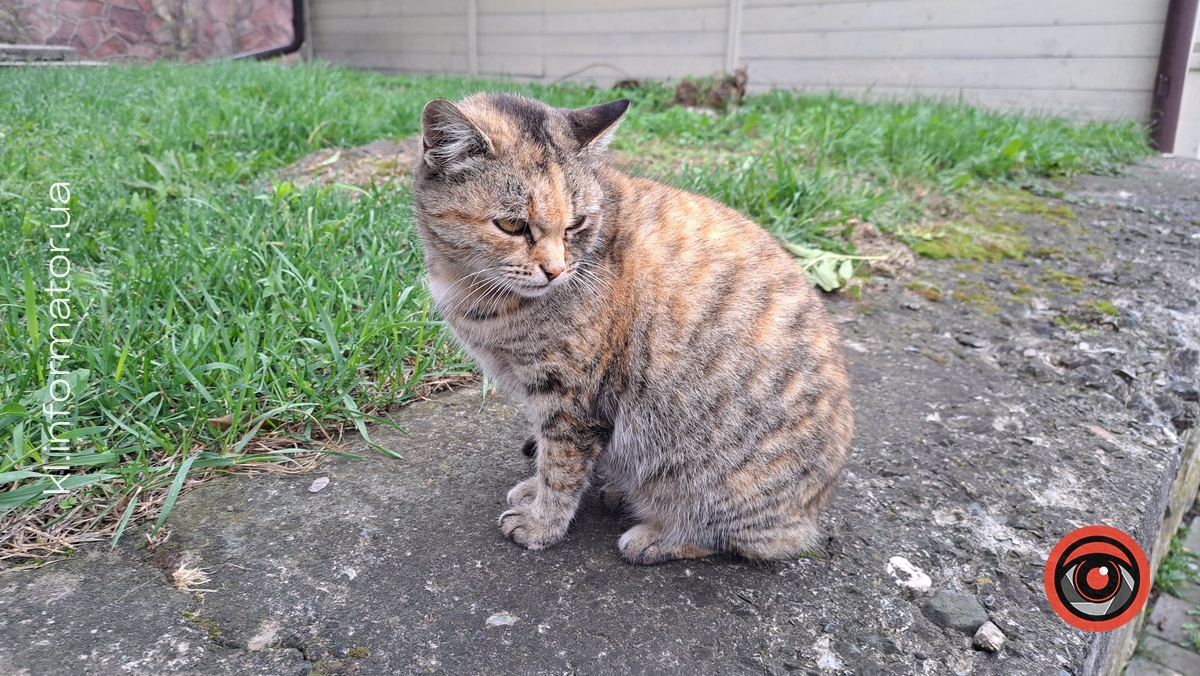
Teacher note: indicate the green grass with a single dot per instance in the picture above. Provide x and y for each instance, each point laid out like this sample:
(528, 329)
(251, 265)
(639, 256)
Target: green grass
(197, 292)
(1178, 566)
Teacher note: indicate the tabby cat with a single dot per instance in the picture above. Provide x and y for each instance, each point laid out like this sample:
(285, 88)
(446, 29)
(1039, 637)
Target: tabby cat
(661, 343)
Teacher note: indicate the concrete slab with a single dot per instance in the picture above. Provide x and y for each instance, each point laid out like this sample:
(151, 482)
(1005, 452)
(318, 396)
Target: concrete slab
(1168, 618)
(971, 459)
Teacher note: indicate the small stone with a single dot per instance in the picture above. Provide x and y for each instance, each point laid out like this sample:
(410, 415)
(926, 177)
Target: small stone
(955, 610)
(989, 637)
(1130, 319)
(501, 619)
(1186, 391)
(920, 656)
(907, 575)
(1185, 362)
(318, 484)
(970, 341)
(1040, 370)
(1074, 360)
(831, 628)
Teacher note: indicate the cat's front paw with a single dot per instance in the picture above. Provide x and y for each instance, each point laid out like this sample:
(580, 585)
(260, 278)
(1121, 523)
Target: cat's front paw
(523, 493)
(520, 526)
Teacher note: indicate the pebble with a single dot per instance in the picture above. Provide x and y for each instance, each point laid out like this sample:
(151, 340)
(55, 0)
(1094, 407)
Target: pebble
(907, 575)
(955, 610)
(989, 637)
(501, 619)
(1186, 391)
(318, 484)
(970, 341)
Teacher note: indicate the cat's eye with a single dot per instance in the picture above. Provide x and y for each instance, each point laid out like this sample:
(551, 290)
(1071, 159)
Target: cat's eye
(578, 223)
(513, 226)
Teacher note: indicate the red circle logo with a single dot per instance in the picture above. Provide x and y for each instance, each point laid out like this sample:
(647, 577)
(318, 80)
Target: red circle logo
(1097, 578)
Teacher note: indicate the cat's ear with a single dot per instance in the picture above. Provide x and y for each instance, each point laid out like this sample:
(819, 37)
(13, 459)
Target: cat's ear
(593, 127)
(449, 141)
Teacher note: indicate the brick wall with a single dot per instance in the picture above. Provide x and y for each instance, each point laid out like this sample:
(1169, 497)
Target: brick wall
(145, 30)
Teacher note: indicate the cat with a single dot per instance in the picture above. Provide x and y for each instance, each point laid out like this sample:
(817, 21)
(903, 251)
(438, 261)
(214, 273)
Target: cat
(659, 340)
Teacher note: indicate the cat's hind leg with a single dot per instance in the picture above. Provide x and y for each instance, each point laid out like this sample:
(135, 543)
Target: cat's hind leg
(649, 543)
(611, 497)
(784, 541)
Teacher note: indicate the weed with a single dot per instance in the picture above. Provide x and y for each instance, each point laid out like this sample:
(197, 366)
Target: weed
(980, 300)
(1104, 307)
(1070, 324)
(1047, 252)
(1073, 283)
(1193, 629)
(1178, 567)
(929, 291)
(208, 624)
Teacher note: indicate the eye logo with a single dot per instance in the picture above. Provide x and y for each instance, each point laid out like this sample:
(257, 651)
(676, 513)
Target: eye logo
(1097, 578)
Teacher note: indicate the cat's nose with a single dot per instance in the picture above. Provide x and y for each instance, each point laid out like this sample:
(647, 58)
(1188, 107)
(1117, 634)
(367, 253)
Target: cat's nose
(552, 270)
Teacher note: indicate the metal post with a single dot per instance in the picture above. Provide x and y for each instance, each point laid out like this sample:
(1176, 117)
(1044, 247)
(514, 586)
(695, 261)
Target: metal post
(1178, 35)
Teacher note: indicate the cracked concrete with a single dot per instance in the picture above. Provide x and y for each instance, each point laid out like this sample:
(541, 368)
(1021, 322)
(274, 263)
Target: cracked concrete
(972, 458)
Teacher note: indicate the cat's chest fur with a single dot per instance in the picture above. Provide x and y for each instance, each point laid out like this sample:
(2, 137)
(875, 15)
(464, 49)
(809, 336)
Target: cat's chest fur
(521, 344)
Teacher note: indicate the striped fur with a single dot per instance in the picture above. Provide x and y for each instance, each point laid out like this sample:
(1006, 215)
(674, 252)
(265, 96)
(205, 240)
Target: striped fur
(663, 345)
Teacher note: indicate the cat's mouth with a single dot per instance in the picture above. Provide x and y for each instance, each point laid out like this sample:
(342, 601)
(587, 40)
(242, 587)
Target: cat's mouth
(534, 290)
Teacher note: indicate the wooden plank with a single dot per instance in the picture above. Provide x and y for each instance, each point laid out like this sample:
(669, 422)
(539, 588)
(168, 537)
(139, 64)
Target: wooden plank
(400, 63)
(1129, 40)
(405, 25)
(512, 44)
(512, 6)
(637, 44)
(649, 21)
(912, 14)
(512, 65)
(419, 43)
(503, 24)
(622, 6)
(1093, 74)
(1072, 103)
(381, 8)
(620, 67)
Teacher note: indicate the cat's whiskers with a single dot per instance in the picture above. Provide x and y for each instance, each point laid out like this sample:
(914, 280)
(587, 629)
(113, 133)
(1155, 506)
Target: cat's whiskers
(477, 291)
(485, 293)
(587, 273)
(506, 285)
(493, 295)
(479, 285)
(451, 293)
(581, 280)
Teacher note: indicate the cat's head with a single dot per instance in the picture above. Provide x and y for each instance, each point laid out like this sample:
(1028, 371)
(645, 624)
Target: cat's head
(506, 188)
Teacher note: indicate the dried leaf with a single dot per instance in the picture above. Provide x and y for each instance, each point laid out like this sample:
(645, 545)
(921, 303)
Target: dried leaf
(222, 423)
